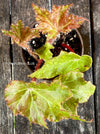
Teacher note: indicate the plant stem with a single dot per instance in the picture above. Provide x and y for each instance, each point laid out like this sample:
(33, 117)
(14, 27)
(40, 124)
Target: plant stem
(34, 79)
(40, 62)
(68, 47)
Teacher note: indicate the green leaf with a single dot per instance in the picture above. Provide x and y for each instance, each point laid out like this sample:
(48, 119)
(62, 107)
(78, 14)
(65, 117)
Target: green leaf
(37, 101)
(44, 51)
(80, 88)
(63, 64)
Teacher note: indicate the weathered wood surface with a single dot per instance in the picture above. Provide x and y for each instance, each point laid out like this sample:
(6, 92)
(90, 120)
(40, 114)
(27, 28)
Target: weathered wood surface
(96, 55)
(22, 9)
(6, 121)
(86, 110)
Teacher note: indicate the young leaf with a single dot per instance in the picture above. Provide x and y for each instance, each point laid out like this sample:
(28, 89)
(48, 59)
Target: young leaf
(63, 64)
(37, 101)
(44, 51)
(59, 20)
(21, 35)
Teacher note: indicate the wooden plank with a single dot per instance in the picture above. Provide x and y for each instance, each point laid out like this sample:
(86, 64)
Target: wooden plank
(85, 110)
(96, 52)
(6, 117)
(22, 10)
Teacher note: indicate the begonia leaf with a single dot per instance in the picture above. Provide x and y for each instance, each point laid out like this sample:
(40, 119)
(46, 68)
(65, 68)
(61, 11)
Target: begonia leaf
(59, 20)
(21, 35)
(37, 101)
(63, 64)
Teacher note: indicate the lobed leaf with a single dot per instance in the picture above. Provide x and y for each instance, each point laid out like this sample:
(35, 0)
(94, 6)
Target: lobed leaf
(59, 20)
(37, 101)
(63, 64)
(21, 35)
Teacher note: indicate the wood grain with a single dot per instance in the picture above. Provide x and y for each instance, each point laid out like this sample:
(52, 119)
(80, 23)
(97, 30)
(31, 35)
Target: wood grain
(96, 53)
(85, 110)
(22, 9)
(6, 117)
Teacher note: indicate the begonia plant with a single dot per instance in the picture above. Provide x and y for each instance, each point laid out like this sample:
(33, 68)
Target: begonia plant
(64, 87)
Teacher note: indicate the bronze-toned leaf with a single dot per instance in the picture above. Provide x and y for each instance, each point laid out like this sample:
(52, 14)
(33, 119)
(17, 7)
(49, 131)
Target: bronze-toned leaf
(59, 20)
(21, 35)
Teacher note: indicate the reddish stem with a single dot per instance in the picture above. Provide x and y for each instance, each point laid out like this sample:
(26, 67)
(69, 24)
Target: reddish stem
(34, 79)
(40, 61)
(68, 47)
